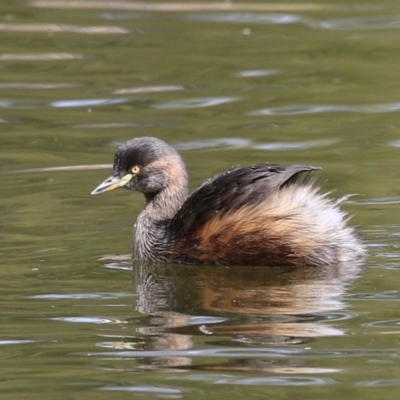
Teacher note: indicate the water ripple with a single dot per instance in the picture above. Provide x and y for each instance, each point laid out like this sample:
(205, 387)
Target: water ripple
(388, 323)
(79, 296)
(112, 125)
(86, 103)
(204, 144)
(122, 16)
(377, 201)
(271, 353)
(379, 382)
(149, 89)
(257, 73)
(177, 7)
(28, 85)
(86, 320)
(395, 143)
(358, 23)
(226, 378)
(278, 381)
(39, 56)
(247, 18)
(118, 266)
(196, 102)
(282, 146)
(12, 342)
(246, 143)
(388, 295)
(144, 389)
(55, 28)
(203, 320)
(314, 109)
(108, 125)
(234, 352)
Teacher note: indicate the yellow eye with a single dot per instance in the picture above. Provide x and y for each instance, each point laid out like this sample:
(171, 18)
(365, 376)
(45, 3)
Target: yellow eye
(135, 169)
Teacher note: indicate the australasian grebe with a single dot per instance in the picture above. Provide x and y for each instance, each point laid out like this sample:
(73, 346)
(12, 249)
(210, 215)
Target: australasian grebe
(266, 214)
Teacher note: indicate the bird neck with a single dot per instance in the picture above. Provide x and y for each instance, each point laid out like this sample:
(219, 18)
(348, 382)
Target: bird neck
(151, 236)
(163, 205)
(166, 203)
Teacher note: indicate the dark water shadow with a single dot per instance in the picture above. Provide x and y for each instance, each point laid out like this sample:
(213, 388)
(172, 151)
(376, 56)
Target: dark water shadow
(246, 314)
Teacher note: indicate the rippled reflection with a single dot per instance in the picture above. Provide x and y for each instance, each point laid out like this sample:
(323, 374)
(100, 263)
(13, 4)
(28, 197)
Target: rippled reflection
(236, 307)
(86, 320)
(144, 389)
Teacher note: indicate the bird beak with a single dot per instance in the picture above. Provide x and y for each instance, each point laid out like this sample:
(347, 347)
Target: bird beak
(111, 183)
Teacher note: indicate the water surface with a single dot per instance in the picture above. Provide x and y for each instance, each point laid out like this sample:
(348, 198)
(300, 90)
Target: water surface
(226, 84)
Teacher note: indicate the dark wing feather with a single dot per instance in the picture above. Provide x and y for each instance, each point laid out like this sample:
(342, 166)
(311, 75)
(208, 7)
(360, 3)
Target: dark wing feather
(232, 190)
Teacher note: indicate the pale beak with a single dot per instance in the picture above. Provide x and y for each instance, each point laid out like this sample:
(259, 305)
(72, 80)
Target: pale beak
(112, 183)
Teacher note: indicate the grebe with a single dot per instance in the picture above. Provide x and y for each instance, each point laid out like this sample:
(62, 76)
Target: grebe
(266, 214)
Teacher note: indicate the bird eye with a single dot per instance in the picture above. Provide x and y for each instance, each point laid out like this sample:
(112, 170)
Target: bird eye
(135, 169)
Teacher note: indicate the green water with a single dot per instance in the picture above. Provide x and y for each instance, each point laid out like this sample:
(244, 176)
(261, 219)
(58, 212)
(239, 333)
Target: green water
(312, 83)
